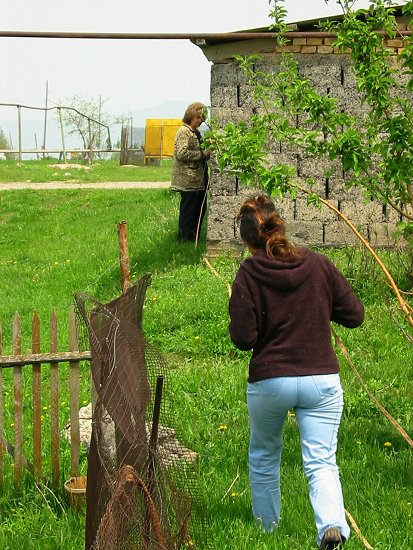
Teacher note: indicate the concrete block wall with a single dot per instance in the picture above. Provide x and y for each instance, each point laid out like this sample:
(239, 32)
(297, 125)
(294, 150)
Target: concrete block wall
(232, 101)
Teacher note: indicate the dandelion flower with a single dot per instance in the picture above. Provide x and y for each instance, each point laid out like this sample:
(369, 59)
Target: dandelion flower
(197, 337)
(387, 444)
(234, 494)
(222, 428)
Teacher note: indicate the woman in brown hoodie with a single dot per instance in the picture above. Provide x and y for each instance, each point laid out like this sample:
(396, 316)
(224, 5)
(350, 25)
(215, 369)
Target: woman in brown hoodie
(283, 300)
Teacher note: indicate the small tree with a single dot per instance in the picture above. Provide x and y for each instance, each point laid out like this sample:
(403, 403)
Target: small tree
(86, 119)
(4, 144)
(375, 153)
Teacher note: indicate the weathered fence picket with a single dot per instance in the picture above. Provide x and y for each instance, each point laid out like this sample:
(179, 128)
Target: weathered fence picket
(38, 362)
(37, 400)
(18, 405)
(54, 403)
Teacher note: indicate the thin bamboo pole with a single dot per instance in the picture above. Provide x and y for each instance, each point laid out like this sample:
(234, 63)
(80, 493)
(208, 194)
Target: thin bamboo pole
(37, 400)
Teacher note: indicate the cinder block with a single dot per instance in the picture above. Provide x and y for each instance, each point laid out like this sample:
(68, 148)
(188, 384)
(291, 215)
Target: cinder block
(311, 167)
(358, 211)
(339, 234)
(348, 78)
(224, 96)
(309, 212)
(222, 184)
(285, 207)
(225, 115)
(391, 215)
(227, 74)
(384, 234)
(305, 233)
(276, 157)
(321, 70)
(337, 190)
(218, 248)
(222, 213)
(269, 63)
(245, 97)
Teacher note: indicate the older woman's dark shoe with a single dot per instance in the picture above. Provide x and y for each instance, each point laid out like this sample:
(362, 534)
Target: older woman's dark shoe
(331, 540)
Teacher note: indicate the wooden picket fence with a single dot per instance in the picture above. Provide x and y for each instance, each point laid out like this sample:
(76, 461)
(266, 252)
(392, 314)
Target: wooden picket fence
(54, 360)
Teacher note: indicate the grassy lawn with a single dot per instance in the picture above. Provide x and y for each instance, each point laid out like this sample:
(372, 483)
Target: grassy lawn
(41, 171)
(55, 243)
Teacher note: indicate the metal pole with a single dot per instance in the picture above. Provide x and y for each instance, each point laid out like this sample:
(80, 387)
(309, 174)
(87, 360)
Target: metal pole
(35, 141)
(45, 116)
(227, 36)
(62, 134)
(90, 141)
(19, 117)
(100, 119)
(124, 255)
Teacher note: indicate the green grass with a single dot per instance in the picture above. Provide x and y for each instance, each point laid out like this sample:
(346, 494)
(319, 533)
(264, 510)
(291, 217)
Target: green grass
(43, 170)
(54, 243)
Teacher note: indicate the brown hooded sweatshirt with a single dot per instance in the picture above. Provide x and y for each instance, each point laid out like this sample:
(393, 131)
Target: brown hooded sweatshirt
(282, 311)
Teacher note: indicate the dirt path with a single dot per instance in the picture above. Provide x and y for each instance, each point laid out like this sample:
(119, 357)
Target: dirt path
(97, 185)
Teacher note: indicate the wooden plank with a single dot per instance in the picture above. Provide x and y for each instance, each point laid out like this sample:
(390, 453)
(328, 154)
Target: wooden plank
(54, 403)
(74, 397)
(37, 358)
(18, 406)
(1, 417)
(37, 400)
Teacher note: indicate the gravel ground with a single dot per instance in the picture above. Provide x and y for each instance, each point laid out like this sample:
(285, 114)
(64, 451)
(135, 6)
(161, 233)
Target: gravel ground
(97, 185)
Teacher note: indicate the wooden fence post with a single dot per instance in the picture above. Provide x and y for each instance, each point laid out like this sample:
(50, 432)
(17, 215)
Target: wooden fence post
(124, 255)
(54, 403)
(74, 397)
(124, 145)
(18, 405)
(37, 400)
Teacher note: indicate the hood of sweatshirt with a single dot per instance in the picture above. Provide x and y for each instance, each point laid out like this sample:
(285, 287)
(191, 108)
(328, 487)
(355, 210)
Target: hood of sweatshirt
(283, 275)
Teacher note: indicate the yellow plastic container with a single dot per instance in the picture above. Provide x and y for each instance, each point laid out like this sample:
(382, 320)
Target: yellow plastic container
(160, 137)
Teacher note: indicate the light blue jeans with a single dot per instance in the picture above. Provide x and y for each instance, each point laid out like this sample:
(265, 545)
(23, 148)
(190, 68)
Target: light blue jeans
(318, 404)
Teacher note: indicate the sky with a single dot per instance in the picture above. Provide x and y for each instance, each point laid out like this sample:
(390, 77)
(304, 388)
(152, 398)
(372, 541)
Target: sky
(129, 75)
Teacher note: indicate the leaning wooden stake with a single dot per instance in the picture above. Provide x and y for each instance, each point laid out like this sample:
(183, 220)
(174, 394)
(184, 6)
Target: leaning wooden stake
(124, 255)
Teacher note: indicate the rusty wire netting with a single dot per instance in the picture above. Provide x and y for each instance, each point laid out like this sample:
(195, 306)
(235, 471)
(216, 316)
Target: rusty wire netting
(141, 488)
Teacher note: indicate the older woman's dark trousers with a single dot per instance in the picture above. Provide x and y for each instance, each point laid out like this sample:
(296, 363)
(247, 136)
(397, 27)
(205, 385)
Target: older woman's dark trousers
(191, 213)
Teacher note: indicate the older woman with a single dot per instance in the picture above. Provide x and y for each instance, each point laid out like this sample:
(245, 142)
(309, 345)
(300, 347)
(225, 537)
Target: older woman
(190, 173)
